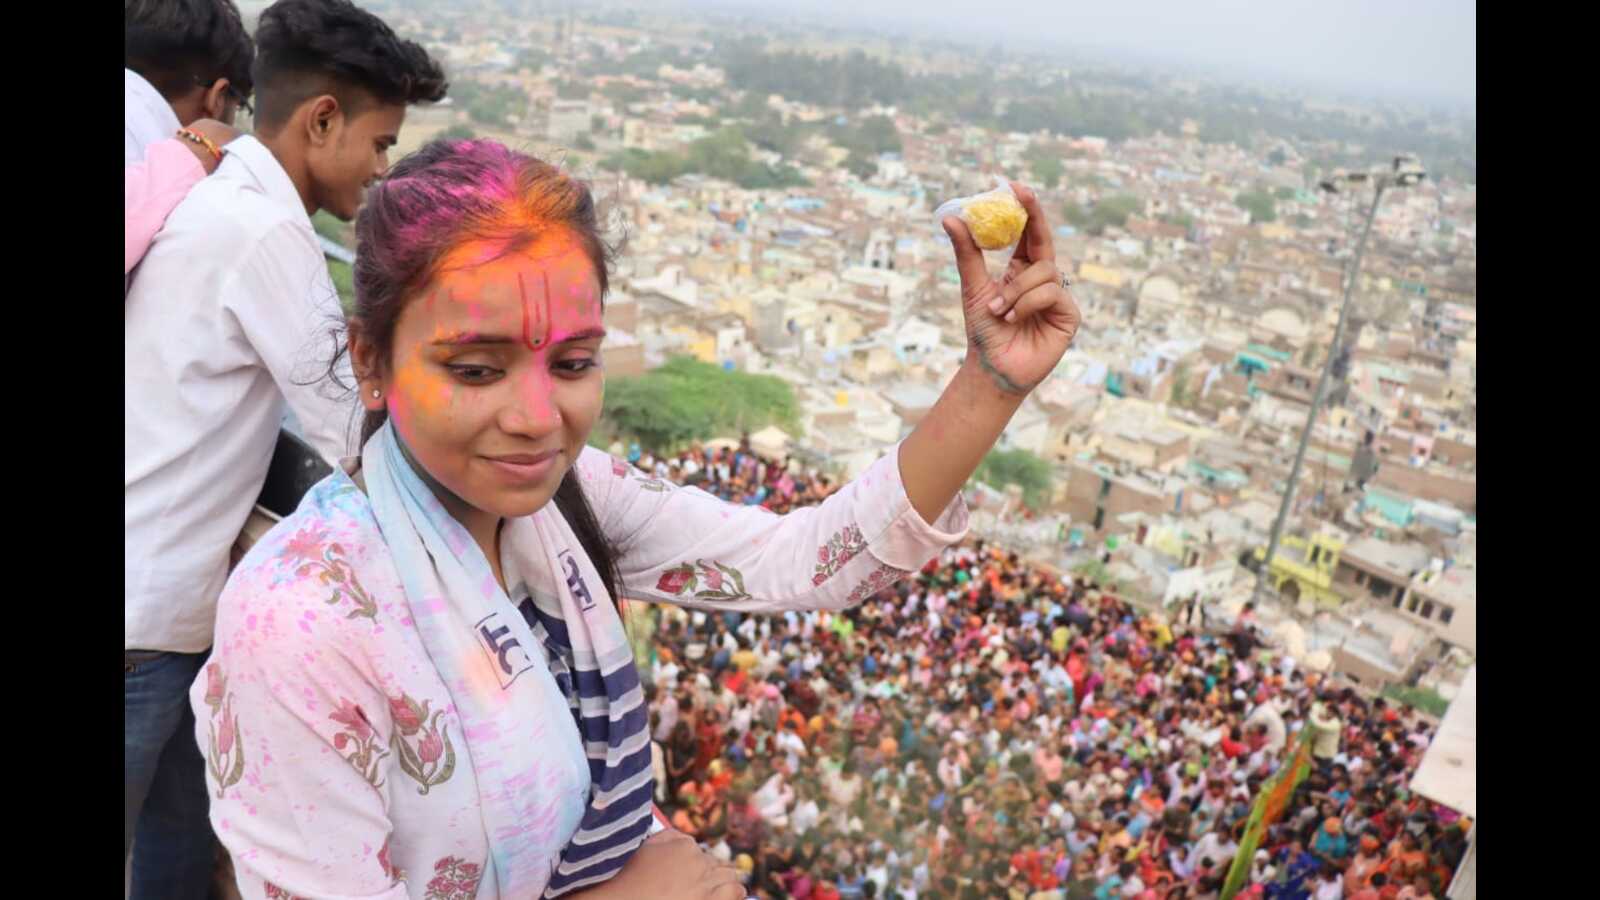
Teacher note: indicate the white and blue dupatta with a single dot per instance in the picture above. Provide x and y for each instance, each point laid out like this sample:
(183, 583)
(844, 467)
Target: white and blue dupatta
(559, 748)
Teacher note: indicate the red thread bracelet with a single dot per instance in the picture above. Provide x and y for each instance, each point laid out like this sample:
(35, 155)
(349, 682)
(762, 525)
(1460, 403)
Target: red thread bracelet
(194, 137)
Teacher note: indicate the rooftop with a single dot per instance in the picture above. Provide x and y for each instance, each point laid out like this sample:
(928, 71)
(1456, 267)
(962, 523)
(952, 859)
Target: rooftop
(1449, 770)
(1395, 559)
(1457, 587)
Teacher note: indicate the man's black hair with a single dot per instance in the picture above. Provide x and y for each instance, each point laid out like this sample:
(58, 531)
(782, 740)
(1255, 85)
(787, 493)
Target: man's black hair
(310, 47)
(178, 45)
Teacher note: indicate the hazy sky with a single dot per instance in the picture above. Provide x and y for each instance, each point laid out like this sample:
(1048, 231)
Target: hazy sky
(1413, 49)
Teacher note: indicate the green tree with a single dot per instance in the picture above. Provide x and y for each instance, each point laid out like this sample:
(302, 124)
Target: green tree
(583, 142)
(532, 58)
(1182, 395)
(688, 400)
(769, 133)
(456, 133)
(572, 90)
(1425, 699)
(488, 105)
(331, 228)
(1096, 574)
(859, 166)
(723, 154)
(623, 94)
(1046, 170)
(344, 281)
(1019, 467)
(1259, 204)
(1045, 165)
(1110, 212)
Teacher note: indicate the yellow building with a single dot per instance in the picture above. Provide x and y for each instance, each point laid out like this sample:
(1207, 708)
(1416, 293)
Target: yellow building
(1102, 275)
(1276, 231)
(1304, 568)
(698, 342)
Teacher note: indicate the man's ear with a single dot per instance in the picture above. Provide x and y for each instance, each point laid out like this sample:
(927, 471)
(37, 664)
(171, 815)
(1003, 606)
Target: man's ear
(324, 116)
(214, 101)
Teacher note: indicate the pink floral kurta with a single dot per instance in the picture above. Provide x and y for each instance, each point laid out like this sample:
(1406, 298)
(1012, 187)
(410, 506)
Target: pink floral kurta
(336, 764)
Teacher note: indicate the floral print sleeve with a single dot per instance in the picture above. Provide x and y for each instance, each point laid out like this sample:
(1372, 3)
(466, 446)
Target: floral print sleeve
(682, 545)
(300, 741)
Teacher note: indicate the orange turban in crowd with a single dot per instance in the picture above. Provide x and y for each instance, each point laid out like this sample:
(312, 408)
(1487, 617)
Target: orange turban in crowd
(1151, 800)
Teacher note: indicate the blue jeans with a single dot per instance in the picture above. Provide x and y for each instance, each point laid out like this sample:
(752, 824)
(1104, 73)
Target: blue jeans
(165, 797)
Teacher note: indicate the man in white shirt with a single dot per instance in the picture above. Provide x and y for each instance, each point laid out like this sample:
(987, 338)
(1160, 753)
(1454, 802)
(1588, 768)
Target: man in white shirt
(667, 713)
(807, 814)
(222, 326)
(182, 60)
(774, 796)
(1216, 845)
(790, 744)
(1269, 715)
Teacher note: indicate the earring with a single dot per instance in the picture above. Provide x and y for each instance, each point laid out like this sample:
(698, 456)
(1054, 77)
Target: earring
(374, 393)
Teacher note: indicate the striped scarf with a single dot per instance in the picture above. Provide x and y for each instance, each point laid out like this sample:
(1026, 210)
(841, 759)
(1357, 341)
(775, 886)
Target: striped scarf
(558, 747)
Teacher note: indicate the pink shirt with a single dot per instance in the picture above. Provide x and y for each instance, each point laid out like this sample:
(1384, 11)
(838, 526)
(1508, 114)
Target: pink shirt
(1050, 765)
(150, 190)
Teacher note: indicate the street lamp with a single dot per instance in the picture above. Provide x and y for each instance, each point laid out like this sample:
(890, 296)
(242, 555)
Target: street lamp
(1406, 171)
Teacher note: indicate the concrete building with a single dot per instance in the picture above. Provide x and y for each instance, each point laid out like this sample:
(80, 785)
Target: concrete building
(1097, 496)
(1446, 603)
(1377, 571)
(568, 119)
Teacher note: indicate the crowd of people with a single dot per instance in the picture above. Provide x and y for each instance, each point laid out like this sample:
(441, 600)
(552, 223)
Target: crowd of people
(988, 729)
(981, 728)
(737, 474)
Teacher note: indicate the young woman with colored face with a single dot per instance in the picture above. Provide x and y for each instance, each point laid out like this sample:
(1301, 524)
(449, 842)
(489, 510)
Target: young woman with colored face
(421, 686)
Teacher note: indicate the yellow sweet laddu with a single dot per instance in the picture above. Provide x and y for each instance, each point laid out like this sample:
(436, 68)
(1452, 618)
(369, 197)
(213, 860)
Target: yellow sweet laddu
(995, 220)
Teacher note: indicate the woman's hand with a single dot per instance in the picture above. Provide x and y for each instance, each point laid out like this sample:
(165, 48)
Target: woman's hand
(220, 134)
(670, 866)
(1011, 347)
(1019, 327)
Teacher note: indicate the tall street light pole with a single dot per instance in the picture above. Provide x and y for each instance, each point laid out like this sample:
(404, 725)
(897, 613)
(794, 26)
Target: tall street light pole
(1406, 172)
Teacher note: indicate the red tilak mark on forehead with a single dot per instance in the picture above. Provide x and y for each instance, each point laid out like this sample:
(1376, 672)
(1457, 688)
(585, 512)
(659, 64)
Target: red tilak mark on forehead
(529, 320)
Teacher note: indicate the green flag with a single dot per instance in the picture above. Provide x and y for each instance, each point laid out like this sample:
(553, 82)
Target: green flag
(1268, 808)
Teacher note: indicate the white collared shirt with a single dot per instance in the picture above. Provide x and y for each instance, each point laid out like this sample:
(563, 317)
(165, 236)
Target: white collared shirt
(147, 116)
(231, 306)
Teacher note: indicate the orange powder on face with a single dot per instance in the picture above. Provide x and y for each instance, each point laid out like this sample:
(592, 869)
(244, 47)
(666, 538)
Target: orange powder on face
(540, 297)
(428, 394)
